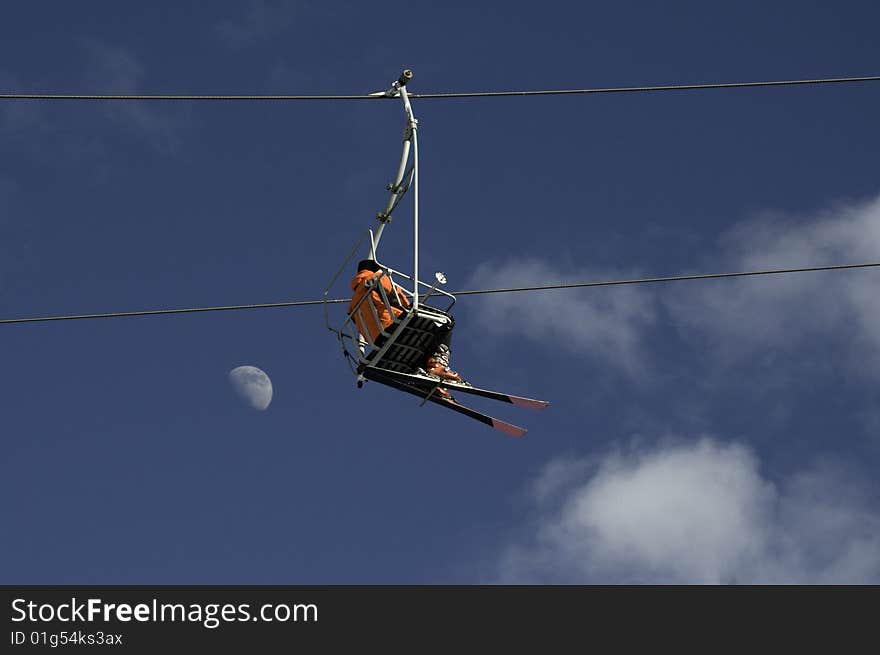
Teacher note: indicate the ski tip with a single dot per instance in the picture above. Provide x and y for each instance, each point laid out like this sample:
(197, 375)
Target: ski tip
(528, 402)
(508, 428)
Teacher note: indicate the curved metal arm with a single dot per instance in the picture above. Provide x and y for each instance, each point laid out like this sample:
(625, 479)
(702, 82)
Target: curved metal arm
(397, 188)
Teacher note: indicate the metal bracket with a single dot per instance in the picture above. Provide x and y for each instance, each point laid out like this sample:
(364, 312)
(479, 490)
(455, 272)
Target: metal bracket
(396, 85)
(409, 128)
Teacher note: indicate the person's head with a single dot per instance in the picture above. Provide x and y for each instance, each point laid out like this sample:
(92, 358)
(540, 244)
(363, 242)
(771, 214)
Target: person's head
(369, 265)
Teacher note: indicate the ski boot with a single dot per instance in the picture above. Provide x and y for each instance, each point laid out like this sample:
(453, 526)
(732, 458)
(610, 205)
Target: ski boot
(438, 366)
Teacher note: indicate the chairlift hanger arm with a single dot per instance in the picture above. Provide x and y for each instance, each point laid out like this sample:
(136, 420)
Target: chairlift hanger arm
(398, 188)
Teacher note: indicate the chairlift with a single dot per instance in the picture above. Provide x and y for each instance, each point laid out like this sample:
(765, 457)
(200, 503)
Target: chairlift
(395, 354)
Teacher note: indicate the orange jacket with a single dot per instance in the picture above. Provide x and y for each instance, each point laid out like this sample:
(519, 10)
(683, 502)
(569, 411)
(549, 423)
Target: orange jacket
(359, 289)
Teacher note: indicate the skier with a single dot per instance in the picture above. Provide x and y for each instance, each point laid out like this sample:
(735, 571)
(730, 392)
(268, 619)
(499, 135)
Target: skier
(437, 363)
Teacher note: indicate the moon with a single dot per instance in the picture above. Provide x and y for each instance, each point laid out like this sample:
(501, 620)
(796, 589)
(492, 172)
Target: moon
(252, 385)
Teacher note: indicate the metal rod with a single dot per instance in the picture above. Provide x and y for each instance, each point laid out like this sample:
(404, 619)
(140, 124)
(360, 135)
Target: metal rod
(339, 272)
(413, 125)
(415, 221)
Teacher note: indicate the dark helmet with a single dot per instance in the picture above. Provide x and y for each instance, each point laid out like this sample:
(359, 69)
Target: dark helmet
(368, 265)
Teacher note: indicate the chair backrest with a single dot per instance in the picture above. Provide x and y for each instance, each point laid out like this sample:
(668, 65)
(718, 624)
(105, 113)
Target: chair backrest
(410, 342)
(402, 348)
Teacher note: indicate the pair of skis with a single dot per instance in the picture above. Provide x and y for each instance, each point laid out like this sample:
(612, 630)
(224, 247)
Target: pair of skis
(426, 388)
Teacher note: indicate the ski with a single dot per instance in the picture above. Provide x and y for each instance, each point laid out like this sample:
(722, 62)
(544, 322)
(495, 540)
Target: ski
(502, 426)
(423, 382)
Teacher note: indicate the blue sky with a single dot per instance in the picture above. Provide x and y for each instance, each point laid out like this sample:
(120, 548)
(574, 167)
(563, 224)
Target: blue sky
(724, 431)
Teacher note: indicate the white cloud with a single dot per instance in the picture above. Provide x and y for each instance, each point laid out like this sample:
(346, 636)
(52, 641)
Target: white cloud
(695, 512)
(607, 324)
(115, 70)
(48, 137)
(261, 20)
(734, 316)
(781, 312)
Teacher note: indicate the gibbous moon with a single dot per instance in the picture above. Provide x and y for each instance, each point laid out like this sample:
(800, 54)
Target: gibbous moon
(253, 385)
